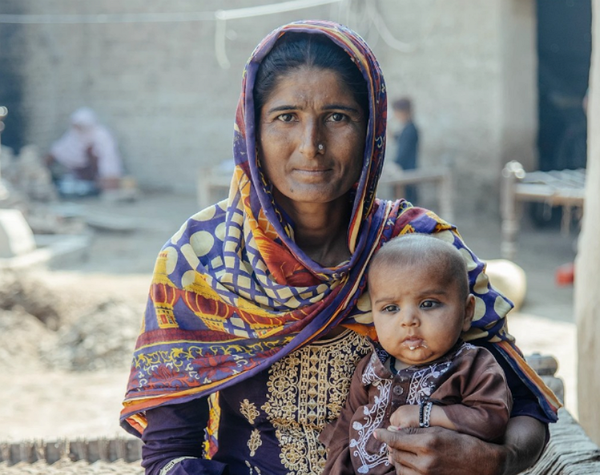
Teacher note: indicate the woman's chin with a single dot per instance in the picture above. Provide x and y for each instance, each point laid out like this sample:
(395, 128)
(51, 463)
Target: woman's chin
(307, 194)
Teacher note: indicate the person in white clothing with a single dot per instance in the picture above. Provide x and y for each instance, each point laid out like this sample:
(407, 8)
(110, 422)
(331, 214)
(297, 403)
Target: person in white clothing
(85, 160)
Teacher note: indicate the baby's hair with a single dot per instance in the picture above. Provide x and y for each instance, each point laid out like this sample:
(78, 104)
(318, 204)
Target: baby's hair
(411, 249)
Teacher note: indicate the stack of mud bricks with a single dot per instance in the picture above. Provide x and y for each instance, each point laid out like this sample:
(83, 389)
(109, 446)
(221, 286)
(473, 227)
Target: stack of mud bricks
(106, 450)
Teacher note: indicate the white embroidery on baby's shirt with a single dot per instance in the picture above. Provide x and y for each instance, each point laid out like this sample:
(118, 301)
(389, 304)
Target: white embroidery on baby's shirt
(423, 382)
(373, 416)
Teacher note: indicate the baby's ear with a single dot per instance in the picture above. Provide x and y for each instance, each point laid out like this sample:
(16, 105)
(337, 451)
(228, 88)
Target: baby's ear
(469, 312)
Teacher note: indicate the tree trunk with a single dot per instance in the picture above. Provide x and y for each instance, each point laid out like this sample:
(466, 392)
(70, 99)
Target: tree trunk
(587, 273)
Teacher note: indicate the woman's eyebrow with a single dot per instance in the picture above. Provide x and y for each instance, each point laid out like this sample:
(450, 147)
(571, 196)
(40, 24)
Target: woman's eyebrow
(290, 107)
(285, 107)
(340, 107)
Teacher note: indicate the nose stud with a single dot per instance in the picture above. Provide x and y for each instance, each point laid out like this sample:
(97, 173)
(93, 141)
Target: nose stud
(321, 147)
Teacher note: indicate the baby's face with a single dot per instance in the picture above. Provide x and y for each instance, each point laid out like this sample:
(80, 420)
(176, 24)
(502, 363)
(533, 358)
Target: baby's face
(418, 312)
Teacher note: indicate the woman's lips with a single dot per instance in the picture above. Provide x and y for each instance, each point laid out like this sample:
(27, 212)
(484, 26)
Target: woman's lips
(312, 170)
(312, 173)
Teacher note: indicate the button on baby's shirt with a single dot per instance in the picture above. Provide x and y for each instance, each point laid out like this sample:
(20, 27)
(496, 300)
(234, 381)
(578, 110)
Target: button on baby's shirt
(398, 390)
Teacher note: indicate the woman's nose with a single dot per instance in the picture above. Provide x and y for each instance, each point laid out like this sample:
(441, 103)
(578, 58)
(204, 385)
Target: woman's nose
(310, 140)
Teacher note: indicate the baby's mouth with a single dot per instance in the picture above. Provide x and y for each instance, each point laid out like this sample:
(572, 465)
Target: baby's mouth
(413, 343)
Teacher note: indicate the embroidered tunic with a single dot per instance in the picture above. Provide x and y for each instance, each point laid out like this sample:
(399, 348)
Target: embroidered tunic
(276, 431)
(467, 383)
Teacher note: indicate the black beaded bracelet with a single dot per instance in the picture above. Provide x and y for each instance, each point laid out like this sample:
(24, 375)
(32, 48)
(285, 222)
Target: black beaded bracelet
(425, 413)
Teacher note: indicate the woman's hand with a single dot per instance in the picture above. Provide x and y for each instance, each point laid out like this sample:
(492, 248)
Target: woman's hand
(440, 451)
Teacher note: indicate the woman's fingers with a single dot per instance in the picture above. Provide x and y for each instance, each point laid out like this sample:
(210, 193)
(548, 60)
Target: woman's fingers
(436, 451)
(402, 454)
(399, 439)
(404, 462)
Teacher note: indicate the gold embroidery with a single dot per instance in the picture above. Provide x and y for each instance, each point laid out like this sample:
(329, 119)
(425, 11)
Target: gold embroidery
(305, 391)
(252, 469)
(254, 443)
(248, 409)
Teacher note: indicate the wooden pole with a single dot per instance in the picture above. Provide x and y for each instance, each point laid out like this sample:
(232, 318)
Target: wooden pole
(587, 270)
(3, 113)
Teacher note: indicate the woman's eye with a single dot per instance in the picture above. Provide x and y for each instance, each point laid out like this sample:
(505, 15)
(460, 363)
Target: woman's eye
(337, 117)
(285, 117)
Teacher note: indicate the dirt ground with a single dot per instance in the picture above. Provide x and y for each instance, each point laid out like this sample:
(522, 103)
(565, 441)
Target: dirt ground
(65, 378)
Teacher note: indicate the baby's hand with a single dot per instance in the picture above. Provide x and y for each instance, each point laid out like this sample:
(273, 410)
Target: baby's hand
(405, 416)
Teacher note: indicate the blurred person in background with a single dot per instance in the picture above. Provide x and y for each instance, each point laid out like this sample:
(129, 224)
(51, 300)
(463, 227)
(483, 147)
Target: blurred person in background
(407, 142)
(85, 160)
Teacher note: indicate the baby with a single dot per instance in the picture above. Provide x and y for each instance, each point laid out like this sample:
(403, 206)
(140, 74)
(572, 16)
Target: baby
(422, 374)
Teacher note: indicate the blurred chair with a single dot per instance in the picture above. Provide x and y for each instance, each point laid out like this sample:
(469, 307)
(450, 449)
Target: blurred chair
(396, 178)
(213, 183)
(564, 188)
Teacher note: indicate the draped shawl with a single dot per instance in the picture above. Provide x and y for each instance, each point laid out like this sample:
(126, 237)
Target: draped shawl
(232, 293)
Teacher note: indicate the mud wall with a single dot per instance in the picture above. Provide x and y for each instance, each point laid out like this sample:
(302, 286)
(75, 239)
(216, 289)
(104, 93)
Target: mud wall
(469, 65)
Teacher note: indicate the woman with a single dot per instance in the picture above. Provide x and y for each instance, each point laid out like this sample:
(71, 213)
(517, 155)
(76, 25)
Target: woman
(259, 302)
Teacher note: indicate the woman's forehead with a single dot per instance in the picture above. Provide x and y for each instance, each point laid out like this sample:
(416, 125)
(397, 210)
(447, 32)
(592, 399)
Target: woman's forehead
(307, 82)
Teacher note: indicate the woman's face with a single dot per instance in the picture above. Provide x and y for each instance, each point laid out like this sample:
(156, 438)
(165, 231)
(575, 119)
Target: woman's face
(311, 137)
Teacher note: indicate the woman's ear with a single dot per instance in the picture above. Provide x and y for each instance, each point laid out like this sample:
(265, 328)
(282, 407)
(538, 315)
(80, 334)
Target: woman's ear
(469, 312)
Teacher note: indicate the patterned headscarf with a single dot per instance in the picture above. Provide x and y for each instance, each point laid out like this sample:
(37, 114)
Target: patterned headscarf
(232, 293)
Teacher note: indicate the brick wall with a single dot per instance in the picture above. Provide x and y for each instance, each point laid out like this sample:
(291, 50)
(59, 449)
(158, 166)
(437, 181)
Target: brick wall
(472, 75)
(160, 88)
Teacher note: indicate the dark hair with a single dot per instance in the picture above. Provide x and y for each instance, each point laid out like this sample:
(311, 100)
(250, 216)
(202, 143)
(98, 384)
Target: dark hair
(402, 104)
(295, 50)
(422, 249)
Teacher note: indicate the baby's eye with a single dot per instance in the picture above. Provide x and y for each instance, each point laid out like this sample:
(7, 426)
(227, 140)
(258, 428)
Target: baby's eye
(429, 304)
(285, 117)
(390, 308)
